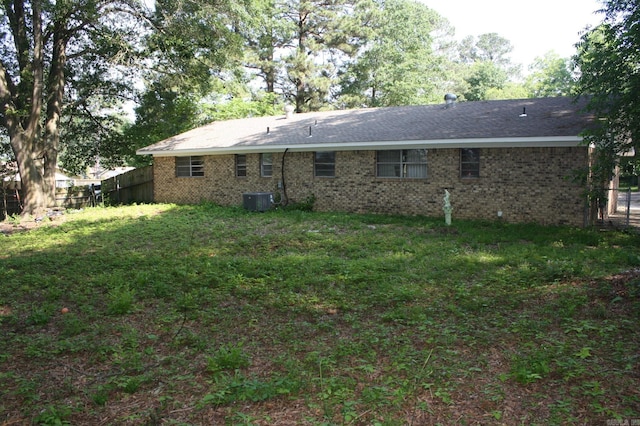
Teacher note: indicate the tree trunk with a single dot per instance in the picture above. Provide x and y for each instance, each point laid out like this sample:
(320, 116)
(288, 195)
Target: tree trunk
(31, 177)
(54, 111)
(35, 148)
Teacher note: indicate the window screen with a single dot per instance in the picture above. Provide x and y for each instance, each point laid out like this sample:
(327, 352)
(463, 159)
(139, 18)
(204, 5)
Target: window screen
(189, 166)
(266, 165)
(241, 165)
(324, 164)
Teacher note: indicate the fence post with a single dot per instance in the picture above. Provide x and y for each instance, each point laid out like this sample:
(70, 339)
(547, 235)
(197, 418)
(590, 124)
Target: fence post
(628, 204)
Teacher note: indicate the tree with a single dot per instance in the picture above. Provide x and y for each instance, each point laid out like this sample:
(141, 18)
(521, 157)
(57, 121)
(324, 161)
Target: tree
(164, 112)
(483, 77)
(265, 37)
(196, 42)
(488, 68)
(397, 64)
(50, 51)
(489, 47)
(550, 76)
(608, 60)
(321, 38)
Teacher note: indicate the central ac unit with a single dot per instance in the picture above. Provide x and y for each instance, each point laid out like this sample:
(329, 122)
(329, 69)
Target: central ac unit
(257, 201)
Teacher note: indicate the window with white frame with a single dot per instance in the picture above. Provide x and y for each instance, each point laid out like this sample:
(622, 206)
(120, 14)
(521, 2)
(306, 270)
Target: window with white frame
(266, 165)
(402, 163)
(469, 163)
(241, 165)
(324, 164)
(190, 166)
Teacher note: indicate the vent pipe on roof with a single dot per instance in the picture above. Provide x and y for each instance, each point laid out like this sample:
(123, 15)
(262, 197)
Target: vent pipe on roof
(288, 111)
(524, 112)
(450, 100)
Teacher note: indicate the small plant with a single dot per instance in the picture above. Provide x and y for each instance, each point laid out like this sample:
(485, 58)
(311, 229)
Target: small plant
(39, 316)
(121, 299)
(529, 368)
(130, 384)
(100, 397)
(54, 416)
(72, 325)
(305, 205)
(229, 357)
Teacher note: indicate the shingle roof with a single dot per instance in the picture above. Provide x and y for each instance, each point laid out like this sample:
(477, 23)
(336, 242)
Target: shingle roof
(550, 121)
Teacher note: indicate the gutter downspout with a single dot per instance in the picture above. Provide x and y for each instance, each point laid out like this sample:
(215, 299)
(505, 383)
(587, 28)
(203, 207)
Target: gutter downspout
(285, 197)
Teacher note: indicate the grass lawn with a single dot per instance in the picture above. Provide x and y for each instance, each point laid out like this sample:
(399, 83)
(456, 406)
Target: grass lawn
(211, 315)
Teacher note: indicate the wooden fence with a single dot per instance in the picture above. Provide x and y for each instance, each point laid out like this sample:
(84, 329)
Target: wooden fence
(135, 186)
(75, 197)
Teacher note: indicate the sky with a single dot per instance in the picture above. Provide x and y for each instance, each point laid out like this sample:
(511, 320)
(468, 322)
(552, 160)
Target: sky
(533, 27)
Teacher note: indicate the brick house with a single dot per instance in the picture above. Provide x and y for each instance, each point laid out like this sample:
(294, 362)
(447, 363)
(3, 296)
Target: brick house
(510, 159)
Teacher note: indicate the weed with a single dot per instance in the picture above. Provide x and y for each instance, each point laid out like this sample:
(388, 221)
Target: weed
(533, 366)
(120, 300)
(100, 396)
(330, 318)
(54, 416)
(72, 325)
(238, 387)
(130, 384)
(305, 205)
(40, 315)
(229, 357)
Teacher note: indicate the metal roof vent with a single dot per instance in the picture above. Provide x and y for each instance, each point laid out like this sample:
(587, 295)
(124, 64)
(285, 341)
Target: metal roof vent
(288, 111)
(524, 112)
(450, 100)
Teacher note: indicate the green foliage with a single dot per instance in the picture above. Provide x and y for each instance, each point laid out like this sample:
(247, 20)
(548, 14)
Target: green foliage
(533, 366)
(230, 357)
(229, 389)
(551, 75)
(54, 416)
(608, 60)
(489, 47)
(329, 317)
(305, 205)
(121, 299)
(398, 65)
(66, 69)
(483, 77)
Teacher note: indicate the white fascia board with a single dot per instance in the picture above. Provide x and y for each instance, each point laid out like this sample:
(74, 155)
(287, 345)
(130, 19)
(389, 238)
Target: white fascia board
(529, 142)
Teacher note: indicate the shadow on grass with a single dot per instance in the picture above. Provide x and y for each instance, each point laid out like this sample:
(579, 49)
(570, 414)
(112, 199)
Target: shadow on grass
(333, 316)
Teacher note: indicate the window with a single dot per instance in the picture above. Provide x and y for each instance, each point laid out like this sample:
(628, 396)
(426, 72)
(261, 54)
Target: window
(470, 163)
(324, 164)
(241, 165)
(402, 163)
(189, 166)
(266, 165)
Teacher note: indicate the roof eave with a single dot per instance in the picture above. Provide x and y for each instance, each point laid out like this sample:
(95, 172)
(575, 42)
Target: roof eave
(518, 142)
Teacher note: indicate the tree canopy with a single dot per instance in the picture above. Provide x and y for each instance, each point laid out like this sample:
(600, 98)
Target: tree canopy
(58, 56)
(396, 63)
(609, 63)
(72, 71)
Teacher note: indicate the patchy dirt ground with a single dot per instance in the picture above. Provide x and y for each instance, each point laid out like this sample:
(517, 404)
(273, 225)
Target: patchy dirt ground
(10, 226)
(175, 393)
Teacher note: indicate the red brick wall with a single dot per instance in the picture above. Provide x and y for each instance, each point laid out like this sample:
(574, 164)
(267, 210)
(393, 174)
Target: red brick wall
(525, 184)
